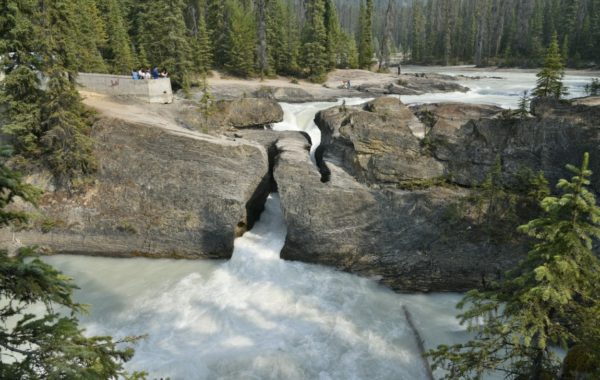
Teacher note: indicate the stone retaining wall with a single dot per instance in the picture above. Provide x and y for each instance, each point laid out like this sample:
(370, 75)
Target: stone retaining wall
(151, 90)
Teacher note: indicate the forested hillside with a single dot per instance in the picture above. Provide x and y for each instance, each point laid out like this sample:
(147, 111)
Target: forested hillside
(306, 38)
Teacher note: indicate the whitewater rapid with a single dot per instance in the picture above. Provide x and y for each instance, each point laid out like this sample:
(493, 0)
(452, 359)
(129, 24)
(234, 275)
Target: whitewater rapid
(259, 317)
(254, 316)
(502, 87)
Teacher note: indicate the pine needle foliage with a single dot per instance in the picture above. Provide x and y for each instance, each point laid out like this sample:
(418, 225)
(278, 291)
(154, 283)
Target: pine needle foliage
(40, 337)
(551, 299)
(549, 82)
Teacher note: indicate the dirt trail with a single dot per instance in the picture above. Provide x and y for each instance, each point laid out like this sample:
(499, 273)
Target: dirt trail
(132, 110)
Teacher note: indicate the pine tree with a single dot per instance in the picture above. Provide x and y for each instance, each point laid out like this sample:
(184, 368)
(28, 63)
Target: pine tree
(162, 35)
(262, 51)
(418, 33)
(549, 83)
(334, 35)
(89, 35)
(523, 110)
(117, 51)
(215, 22)
(19, 91)
(36, 117)
(49, 344)
(202, 48)
(365, 45)
(552, 298)
(241, 39)
(314, 41)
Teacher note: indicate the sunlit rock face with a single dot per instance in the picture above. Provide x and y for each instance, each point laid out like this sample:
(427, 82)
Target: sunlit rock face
(157, 192)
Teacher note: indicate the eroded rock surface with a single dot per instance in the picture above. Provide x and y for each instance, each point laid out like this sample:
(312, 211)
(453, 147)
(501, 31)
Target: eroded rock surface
(378, 143)
(157, 193)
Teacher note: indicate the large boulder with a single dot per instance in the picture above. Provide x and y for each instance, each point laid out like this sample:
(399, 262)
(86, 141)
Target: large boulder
(230, 115)
(247, 112)
(157, 193)
(407, 240)
(559, 134)
(379, 143)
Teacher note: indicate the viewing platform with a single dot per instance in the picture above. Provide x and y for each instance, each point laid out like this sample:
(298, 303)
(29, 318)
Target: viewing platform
(150, 90)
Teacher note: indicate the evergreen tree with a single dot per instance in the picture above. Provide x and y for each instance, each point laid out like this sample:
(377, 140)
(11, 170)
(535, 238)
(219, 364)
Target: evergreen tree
(201, 47)
(117, 51)
(349, 53)
(552, 298)
(314, 42)
(89, 35)
(524, 101)
(50, 344)
(261, 51)
(365, 44)
(37, 118)
(215, 22)
(333, 32)
(549, 83)
(241, 39)
(418, 33)
(162, 35)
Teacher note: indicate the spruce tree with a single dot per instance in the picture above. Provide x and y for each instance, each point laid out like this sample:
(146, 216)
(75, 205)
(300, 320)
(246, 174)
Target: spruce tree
(162, 35)
(49, 344)
(365, 44)
(549, 82)
(333, 32)
(202, 48)
(89, 37)
(551, 299)
(418, 33)
(241, 39)
(314, 41)
(117, 51)
(215, 22)
(49, 125)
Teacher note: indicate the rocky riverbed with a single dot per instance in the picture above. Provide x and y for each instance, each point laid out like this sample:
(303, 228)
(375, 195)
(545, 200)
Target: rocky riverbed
(379, 198)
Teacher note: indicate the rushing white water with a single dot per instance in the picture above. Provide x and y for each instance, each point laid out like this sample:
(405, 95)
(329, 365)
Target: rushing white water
(255, 316)
(259, 317)
(301, 117)
(502, 88)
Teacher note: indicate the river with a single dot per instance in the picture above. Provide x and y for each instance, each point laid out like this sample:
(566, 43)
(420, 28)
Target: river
(259, 317)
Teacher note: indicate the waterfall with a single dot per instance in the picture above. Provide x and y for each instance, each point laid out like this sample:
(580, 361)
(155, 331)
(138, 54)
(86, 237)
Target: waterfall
(257, 316)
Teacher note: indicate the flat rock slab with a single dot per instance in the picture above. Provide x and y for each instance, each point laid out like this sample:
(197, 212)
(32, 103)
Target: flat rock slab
(158, 192)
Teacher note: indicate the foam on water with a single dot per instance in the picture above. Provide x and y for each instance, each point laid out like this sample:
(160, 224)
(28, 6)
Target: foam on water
(259, 317)
(501, 88)
(301, 117)
(254, 317)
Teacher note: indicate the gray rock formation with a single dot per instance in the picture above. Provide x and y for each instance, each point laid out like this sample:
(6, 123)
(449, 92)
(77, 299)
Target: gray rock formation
(429, 238)
(413, 84)
(231, 114)
(157, 193)
(407, 240)
(379, 143)
(559, 134)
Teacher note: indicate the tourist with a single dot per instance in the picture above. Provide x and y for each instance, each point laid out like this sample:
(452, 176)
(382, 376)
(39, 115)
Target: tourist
(164, 73)
(155, 73)
(147, 74)
(141, 74)
(134, 74)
